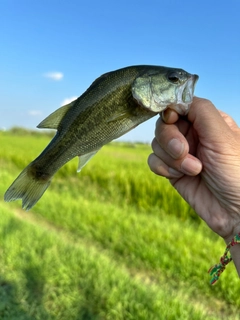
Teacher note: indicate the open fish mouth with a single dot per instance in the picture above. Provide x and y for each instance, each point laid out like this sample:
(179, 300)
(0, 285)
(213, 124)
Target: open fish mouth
(157, 92)
(184, 95)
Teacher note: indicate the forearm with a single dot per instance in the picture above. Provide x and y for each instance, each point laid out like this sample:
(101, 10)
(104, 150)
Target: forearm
(235, 252)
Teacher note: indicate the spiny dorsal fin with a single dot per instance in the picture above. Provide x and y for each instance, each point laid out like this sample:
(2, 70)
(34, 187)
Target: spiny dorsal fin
(54, 119)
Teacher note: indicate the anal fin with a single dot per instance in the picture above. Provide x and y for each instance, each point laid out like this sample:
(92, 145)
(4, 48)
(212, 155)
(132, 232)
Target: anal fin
(83, 160)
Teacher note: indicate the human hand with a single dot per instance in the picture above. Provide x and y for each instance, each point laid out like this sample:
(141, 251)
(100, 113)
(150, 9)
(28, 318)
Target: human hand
(200, 155)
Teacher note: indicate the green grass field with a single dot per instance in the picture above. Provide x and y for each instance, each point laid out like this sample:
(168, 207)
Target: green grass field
(112, 242)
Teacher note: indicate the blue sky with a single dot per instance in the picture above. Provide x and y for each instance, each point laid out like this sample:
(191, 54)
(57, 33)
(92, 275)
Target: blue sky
(52, 51)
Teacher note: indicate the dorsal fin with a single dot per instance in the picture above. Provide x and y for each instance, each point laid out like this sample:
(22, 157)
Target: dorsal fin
(54, 119)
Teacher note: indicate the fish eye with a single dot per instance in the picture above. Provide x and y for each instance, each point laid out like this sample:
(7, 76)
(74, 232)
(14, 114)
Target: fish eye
(173, 77)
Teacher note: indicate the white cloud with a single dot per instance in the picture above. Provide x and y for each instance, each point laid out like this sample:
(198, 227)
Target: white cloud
(56, 76)
(35, 113)
(68, 100)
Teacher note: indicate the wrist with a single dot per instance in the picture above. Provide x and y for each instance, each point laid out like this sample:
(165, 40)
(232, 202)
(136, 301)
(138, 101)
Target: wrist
(235, 230)
(232, 252)
(235, 247)
(235, 253)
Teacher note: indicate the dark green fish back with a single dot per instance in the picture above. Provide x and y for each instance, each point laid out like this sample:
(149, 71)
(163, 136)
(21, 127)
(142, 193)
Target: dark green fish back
(105, 111)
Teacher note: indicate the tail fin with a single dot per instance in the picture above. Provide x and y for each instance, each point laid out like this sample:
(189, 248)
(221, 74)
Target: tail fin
(27, 188)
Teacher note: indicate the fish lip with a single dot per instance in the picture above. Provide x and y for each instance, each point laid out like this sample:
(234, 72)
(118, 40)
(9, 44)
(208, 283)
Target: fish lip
(184, 95)
(179, 100)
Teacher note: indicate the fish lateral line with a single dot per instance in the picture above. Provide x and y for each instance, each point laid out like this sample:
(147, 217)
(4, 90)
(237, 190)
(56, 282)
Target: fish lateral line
(114, 104)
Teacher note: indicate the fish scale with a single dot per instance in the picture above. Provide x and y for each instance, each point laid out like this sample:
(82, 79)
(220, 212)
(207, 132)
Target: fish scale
(114, 104)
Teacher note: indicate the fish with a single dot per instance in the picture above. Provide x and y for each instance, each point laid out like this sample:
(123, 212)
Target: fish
(114, 104)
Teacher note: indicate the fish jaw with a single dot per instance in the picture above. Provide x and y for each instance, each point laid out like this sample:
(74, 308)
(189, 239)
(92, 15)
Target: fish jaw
(184, 96)
(157, 92)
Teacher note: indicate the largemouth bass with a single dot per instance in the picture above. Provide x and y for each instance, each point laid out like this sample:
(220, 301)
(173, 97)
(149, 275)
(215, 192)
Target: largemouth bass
(114, 104)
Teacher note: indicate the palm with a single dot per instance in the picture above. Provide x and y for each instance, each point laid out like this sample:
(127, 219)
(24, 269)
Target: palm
(206, 192)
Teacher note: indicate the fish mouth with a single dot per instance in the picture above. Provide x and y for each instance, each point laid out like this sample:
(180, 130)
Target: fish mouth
(184, 95)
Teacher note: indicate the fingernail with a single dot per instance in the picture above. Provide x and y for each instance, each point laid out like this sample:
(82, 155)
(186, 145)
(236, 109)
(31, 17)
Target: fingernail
(191, 166)
(165, 115)
(175, 148)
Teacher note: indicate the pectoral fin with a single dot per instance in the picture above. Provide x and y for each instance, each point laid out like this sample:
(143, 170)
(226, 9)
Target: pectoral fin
(83, 160)
(119, 115)
(54, 119)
